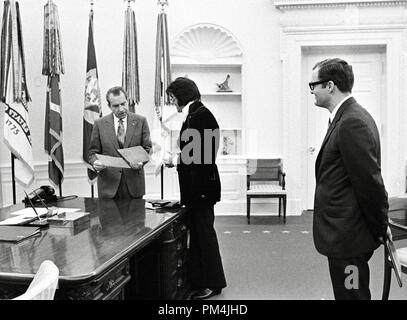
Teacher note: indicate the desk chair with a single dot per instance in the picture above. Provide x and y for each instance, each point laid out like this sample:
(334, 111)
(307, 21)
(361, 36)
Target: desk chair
(44, 284)
(266, 179)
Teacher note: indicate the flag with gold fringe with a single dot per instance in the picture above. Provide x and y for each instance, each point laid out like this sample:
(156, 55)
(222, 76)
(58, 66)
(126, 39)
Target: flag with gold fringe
(93, 103)
(130, 75)
(53, 67)
(160, 132)
(14, 94)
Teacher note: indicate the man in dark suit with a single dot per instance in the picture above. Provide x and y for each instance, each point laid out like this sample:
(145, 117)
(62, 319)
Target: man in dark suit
(120, 129)
(199, 186)
(351, 204)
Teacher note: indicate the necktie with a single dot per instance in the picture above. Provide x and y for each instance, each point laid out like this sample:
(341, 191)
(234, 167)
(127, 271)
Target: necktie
(120, 133)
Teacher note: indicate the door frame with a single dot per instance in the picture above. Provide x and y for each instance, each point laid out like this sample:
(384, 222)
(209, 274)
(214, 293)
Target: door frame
(294, 41)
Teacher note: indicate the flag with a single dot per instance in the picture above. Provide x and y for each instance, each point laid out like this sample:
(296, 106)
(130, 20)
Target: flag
(53, 131)
(14, 94)
(130, 76)
(160, 132)
(53, 67)
(93, 106)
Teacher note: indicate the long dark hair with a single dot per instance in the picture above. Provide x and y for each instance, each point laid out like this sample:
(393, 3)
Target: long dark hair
(185, 90)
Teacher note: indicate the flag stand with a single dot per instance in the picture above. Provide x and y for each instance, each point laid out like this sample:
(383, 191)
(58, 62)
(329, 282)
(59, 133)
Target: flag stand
(13, 180)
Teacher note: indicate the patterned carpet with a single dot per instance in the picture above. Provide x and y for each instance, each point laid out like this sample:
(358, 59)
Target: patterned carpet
(268, 260)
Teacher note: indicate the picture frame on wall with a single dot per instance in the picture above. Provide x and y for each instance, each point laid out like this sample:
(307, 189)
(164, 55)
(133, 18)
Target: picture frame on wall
(228, 142)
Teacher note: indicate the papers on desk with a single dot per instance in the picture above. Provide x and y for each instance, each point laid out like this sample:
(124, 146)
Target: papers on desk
(13, 221)
(17, 233)
(29, 212)
(26, 215)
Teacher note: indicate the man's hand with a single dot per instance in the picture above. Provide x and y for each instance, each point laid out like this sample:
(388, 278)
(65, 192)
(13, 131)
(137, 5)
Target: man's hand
(388, 235)
(136, 165)
(99, 166)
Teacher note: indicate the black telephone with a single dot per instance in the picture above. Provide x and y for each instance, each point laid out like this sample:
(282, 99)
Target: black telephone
(46, 193)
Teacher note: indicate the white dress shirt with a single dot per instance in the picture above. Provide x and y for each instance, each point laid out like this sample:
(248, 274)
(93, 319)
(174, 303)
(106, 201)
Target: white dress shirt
(335, 110)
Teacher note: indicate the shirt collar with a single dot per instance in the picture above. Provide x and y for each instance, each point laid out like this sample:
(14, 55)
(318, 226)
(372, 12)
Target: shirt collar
(185, 110)
(116, 119)
(335, 110)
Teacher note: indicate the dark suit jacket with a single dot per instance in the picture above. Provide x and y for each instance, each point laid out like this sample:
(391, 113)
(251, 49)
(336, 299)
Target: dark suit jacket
(104, 141)
(351, 204)
(199, 180)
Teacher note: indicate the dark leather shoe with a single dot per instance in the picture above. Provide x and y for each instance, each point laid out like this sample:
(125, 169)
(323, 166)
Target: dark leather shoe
(205, 294)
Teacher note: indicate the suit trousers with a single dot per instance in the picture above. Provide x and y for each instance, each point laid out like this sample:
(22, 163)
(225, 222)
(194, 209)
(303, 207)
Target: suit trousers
(350, 277)
(205, 262)
(123, 190)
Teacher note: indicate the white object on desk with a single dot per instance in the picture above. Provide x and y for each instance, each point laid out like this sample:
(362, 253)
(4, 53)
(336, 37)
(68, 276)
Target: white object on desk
(29, 212)
(15, 220)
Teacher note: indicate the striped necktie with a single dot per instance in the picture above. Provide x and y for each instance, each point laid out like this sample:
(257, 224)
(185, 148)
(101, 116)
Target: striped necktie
(120, 133)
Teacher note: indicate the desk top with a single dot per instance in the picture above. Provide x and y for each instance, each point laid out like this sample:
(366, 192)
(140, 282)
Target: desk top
(398, 217)
(116, 229)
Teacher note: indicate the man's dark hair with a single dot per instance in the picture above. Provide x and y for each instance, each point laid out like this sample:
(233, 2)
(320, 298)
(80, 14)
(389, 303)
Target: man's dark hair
(115, 91)
(338, 71)
(185, 90)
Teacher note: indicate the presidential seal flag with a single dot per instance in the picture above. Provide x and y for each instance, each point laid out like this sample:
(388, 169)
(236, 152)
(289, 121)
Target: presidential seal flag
(93, 105)
(14, 94)
(53, 66)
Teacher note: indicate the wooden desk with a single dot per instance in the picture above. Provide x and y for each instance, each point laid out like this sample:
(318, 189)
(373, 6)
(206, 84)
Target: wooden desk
(102, 260)
(398, 214)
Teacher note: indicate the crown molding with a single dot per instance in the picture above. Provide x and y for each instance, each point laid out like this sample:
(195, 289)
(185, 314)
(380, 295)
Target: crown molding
(303, 4)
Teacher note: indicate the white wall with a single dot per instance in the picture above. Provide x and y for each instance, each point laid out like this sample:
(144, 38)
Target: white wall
(254, 23)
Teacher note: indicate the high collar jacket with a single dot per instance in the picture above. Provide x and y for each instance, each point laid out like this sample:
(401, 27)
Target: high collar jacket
(197, 170)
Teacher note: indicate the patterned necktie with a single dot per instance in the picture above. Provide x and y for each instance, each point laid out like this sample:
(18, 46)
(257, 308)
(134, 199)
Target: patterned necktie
(120, 133)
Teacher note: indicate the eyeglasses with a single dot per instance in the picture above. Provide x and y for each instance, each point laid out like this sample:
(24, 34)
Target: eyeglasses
(313, 84)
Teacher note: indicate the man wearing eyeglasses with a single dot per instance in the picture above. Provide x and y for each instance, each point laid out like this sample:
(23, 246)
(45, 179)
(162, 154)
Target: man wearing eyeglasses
(351, 204)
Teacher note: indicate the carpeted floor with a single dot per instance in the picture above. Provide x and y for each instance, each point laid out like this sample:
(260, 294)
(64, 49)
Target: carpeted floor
(268, 260)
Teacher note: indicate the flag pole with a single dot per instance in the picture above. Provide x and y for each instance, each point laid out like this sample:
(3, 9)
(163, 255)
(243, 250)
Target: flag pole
(60, 187)
(13, 181)
(161, 127)
(162, 182)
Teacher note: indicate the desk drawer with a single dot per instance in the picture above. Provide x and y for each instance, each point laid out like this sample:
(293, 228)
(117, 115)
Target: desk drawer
(109, 286)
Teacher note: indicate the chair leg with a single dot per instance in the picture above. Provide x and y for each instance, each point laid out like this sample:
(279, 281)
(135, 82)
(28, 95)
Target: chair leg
(279, 207)
(284, 207)
(387, 276)
(248, 210)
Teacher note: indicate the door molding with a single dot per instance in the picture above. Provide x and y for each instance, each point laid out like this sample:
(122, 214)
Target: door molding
(294, 41)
